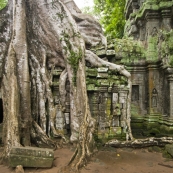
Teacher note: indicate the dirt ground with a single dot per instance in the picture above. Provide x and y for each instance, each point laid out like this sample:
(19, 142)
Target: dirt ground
(110, 160)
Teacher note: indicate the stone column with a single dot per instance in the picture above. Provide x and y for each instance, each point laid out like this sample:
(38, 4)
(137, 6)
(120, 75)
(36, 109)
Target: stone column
(152, 89)
(170, 79)
(123, 102)
(152, 29)
(142, 30)
(152, 23)
(123, 97)
(152, 118)
(166, 22)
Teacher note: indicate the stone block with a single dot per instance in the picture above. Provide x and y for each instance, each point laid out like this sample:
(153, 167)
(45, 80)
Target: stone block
(115, 130)
(169, 149)
(59, 126)
(102, 75)
(31, 157)
(67, 118)
(91, 72)
(110, 52)
(101, 52)
(90, 87)
(103, 136)
(103, 89)
(102, 69)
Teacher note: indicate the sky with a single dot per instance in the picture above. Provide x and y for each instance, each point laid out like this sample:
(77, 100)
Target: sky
(83, 3)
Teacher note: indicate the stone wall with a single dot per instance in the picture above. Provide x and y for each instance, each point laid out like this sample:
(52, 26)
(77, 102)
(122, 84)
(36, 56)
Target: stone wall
(107, 92)
(149, 25)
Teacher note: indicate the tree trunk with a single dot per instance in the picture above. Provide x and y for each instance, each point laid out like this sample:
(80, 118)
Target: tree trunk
(11, 97)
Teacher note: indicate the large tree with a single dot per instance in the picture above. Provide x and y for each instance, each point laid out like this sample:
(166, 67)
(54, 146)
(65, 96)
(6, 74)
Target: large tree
(37, 36)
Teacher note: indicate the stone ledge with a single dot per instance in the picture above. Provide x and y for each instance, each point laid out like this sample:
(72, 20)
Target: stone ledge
(31, 157)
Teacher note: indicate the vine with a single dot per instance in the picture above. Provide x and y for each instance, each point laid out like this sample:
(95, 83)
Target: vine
(73, 60)
(74, 57)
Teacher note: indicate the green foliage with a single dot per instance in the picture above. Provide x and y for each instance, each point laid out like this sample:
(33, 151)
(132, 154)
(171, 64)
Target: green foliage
(73, 60)
(3, 3)
(112, 18)
(74, 57)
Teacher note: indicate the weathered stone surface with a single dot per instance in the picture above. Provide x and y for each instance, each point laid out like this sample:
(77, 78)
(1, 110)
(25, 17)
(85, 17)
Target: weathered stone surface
(90, 87)
(91, 72)
(101, 52)
(31, 157)
(102, 70)
(169, 149)
(110, 52)
(102, 75)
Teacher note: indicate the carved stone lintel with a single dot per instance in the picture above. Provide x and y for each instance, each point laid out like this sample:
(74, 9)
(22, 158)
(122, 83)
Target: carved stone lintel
(166, 15)
(152, 15)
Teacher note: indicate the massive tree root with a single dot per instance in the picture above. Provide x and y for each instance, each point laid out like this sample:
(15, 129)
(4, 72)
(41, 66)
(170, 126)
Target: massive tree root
(11, 107)
(40, 138)
(140, 143)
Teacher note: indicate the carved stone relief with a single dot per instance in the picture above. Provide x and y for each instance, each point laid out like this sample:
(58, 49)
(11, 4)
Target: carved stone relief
(154, 98)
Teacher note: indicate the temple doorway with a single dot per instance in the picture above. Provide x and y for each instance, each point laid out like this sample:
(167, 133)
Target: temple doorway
(135, 93)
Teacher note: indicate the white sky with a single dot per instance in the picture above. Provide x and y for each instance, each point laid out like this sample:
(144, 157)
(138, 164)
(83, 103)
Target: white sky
(83, 3)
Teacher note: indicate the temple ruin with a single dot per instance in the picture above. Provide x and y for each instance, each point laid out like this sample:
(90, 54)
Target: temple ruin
(146, 51)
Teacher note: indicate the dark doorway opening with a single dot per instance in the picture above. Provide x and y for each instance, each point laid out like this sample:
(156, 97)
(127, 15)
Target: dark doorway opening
(135, 93)
(1, 111)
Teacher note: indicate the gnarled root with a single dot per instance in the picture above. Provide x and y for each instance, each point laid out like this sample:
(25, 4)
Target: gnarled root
(39, 138)
(98, 62)
(129, 135)
(62, 90)
(85, 147)
(140, 143)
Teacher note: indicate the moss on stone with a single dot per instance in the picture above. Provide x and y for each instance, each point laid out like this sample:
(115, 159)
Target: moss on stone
(157, 149)
(165, 154)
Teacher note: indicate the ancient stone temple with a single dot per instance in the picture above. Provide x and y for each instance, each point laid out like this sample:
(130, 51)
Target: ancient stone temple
(146, 51)
(107, 92)
(62, 81)
(149, 25)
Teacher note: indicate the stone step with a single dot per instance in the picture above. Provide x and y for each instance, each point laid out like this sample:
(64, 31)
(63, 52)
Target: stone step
(31, 157)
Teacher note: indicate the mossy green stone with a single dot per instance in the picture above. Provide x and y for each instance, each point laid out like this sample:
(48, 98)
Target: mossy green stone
(31, 157)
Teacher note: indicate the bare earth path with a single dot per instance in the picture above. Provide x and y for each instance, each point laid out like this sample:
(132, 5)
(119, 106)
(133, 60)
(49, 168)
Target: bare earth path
(110, 160)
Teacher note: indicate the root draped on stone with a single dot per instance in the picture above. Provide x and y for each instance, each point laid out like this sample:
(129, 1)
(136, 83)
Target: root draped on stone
(140, 143)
